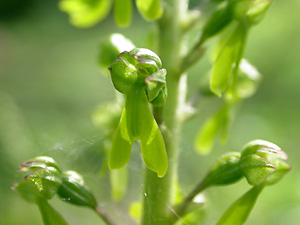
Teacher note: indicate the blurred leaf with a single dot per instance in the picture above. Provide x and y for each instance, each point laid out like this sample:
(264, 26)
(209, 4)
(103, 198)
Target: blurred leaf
(239, 211)
(45, 181)
(193, 218)
(227, 59)
(218, 123)
(256, 169)
(246, 82)
(106, 117)
(118, 182)
(74, 190)
(122, 12)
(49, 214)
(199, 201)
(86, 13)
(150, 9)
(135, 210)
(217, 22)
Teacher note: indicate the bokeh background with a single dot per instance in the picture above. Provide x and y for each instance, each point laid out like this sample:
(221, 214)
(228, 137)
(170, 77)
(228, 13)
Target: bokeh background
(50, 84)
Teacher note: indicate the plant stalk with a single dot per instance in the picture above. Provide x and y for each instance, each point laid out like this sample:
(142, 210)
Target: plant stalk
(106, 219)
(159, 193)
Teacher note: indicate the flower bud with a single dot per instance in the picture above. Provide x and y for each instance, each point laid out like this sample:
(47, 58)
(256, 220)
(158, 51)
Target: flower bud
(74, 190)
(262, 161)
(123, 72)
(45, 182)
(142, 66)
(39, 163)
(156, 88)
(225, 171)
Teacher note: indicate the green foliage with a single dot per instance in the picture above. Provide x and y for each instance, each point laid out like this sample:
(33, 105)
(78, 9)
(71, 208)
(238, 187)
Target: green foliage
(49, 215)
(154, 119)
(239, 211)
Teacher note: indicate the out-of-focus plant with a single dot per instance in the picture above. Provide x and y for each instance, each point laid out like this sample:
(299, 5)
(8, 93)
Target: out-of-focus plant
(152, 108)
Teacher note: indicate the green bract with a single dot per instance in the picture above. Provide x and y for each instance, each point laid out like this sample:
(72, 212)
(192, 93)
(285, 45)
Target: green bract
(49, 215)
(139, 75)
(74, 190)
(239, 211)
(262, 162)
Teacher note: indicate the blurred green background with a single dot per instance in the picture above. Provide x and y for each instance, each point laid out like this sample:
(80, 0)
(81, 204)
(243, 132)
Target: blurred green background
(50, 84)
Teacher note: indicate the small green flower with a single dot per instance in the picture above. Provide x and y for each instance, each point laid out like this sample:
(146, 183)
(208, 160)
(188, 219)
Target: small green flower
(139, 75)
(263, 162)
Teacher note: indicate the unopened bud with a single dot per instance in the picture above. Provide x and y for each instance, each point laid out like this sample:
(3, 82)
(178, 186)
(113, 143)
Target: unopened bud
(262, 161)
(74, 190)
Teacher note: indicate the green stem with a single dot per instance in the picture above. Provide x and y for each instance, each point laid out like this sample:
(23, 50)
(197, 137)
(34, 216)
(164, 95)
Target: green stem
(106, 219)
(182, 208)
(159, 192)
